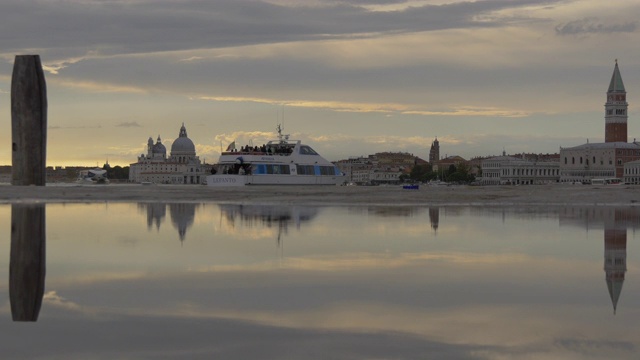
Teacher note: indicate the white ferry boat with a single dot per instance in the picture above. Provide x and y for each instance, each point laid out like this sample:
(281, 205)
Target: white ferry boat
(279, 162)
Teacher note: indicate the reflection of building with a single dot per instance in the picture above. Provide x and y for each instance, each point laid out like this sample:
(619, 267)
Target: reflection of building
(615, 260)
(615, 222)
(434, 218)
(182, 215)
(181, 167)
(155, 213)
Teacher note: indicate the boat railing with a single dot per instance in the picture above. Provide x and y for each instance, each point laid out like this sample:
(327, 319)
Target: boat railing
(255, 153)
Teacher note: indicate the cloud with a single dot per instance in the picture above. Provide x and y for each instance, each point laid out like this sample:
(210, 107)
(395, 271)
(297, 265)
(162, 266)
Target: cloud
(192, 58)
(593, 25)
(128, 124)
(400, 109)
(123, 27)
(57, 127)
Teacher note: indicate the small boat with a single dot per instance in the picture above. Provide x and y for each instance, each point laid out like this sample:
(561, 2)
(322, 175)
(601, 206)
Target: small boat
(92, 176)
(411, 187)
(279, 162)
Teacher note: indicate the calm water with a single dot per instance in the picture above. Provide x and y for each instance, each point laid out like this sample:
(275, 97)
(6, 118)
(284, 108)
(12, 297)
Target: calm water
(132, 281)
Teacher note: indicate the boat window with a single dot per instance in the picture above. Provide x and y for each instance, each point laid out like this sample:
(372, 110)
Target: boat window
(327, 170)
(277, 169)
(305, 170)
(306, 150)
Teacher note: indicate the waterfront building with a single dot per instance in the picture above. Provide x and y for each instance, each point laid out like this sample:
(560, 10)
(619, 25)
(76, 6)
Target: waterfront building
(632, 172)
(379, 168)
(511, 170)
(603, 160)
(444, 164)
(182, 166)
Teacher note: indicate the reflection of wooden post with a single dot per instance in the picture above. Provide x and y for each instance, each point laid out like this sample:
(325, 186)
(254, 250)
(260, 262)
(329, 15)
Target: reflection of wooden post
(27, 264)
(28, 121)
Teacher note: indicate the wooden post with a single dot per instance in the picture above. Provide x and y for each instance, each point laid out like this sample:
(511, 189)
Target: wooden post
(27, 262)
(28, 121)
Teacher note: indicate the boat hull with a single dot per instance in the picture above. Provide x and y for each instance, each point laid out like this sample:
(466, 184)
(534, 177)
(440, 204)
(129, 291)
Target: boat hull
(241, 180)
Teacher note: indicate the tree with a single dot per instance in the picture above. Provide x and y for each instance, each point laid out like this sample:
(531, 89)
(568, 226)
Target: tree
(462, 174)
(118, 173)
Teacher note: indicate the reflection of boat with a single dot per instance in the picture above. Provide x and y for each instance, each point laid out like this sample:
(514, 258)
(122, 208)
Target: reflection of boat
(279, 162)
(93, 176)
(270, 216)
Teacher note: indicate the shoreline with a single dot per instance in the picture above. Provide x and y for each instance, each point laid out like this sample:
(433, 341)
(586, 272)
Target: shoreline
(526, 195)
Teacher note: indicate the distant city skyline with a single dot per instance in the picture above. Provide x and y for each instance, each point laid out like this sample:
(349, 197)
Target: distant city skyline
(348, 77)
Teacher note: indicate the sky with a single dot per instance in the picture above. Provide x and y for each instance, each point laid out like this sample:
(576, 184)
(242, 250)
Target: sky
(348, 77)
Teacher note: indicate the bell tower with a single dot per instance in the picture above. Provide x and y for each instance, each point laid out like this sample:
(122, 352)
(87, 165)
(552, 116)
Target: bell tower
(434, 153)
(615, 118)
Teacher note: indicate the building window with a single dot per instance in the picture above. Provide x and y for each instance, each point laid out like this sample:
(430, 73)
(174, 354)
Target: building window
(573, 160)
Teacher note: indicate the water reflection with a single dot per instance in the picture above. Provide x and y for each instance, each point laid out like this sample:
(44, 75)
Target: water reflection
(384, 282)
(182, 216)
(27, 261)
(615, 223)
(278, 216)
(434, 218)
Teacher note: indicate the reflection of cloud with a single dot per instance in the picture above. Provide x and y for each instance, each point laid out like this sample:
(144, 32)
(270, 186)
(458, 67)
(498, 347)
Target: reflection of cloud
(363, 261)
(52, 298)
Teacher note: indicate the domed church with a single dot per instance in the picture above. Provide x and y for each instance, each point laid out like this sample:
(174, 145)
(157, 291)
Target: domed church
(181, 167)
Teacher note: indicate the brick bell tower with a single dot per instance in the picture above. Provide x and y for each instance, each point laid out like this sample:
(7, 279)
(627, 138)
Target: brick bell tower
(615, 118)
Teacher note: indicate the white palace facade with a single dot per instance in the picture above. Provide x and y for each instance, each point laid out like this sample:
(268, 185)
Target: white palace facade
(510, 170)
(182, 166)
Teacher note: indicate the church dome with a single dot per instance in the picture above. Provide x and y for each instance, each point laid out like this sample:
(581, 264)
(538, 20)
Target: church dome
(183, 145)
(158, 148)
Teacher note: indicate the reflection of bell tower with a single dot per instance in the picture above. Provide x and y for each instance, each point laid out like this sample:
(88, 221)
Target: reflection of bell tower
(615, 259)
(434, 218)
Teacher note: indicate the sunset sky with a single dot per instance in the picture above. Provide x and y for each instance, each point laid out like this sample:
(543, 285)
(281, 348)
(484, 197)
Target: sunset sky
(349, 77)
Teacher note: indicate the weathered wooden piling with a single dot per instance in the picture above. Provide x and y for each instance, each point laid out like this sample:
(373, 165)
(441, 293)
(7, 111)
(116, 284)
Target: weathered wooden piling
(27, 264)
(28, 121)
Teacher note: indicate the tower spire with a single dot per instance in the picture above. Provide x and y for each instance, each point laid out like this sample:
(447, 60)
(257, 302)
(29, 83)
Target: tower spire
(616, 109)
